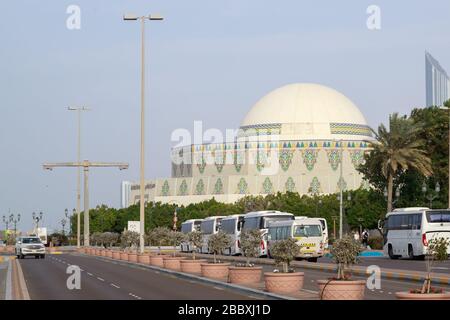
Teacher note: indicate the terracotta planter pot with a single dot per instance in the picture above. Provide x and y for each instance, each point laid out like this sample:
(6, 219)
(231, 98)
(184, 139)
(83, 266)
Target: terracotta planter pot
(422, 296)
(244, 275)
(108, 253)
(172, 263)
(10, 249)
(215, 270)
(124, 256)
(157, 261)
(341, 289)
(2, 249)
(89, 251)
(191, 266)
(280, 282)
(98, 252)
(144, 258)
(116, 255)
(133, 257)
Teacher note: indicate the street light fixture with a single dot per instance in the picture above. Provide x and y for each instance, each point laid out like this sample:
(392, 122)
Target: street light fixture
(14, 220)
(132, 17)
(36, 219)
(431, 196)
(397, 195)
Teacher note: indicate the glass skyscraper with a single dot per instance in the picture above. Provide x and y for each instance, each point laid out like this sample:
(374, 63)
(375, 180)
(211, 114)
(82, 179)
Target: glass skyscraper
(437, 82)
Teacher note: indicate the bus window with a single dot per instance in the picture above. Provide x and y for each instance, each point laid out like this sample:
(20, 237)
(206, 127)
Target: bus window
(308, 231)
(278, 232)
(273, 233)
(438, 216)
(229, 226)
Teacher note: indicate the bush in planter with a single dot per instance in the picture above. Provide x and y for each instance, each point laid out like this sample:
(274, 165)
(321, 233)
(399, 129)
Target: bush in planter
(159, 236)
(436, 252)
(110, 239)
(284, 252)
(129, 239)
(218, 242)
(345, 252)
(250, 242)
(176, 238)
(196, 239)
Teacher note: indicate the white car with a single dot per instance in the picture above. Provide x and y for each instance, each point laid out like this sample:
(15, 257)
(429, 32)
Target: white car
(30, 246)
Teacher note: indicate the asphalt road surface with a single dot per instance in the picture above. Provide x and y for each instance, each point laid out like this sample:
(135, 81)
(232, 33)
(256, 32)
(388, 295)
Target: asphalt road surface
(46, 279)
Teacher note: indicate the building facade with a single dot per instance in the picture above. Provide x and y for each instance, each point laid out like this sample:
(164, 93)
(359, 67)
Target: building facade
(293, 139)
(437, 82)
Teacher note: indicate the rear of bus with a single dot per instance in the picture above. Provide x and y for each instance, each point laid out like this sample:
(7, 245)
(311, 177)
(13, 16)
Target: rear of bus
(435, 224)
(232, 226)
(309, 236)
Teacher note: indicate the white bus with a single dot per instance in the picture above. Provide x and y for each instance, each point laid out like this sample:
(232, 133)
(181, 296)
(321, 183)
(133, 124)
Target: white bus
(307, 231)
(209, 226)
(259, 220)
(232, 225)
(186, 227)
(406, 231)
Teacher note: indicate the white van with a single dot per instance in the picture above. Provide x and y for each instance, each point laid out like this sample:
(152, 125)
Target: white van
(406, 231)
(209, 226)
(307, 231)
(186, 227)
(259, 220)
(323, 221)
(232, 225)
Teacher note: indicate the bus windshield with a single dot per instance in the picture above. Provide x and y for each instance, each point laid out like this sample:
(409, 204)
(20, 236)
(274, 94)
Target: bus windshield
(313, 230)
(438, 216)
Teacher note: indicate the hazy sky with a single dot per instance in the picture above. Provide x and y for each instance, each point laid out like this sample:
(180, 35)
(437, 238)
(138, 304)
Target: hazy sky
(210, 60)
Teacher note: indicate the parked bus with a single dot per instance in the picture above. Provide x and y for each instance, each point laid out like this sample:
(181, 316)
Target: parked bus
(209, 226)
(323, 221)
(307, 231)
(232, 225)
(407, 231)
(259, 220)
(186, 227)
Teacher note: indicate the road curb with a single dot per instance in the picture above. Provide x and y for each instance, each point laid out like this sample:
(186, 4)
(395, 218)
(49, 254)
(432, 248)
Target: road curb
(188, 276)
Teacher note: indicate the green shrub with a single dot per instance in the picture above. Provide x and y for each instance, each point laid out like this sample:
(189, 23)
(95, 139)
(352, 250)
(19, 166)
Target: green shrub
(218, 242)
(345, 252)
(250, 243)
(375, 243)
(196, 239)
(284, 252)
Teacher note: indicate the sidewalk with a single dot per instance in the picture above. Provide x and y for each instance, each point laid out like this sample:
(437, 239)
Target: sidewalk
(12, 282)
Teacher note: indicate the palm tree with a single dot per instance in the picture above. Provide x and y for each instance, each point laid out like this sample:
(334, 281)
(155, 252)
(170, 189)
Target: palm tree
(400, 149)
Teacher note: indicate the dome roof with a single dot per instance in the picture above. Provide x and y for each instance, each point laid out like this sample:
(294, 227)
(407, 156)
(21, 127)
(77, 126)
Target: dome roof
(304, 111)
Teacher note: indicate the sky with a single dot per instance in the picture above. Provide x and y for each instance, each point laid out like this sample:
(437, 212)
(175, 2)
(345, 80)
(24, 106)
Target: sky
(209, 60)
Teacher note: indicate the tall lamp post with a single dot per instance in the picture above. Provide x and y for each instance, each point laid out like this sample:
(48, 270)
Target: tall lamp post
(14, 220)
(6, 222)
(130, 17)
(36, 219)
(397, 195)
(78, 110)
(432, 195)
(63, 224)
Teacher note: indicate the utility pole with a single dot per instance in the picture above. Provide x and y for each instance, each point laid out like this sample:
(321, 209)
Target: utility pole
(86, 164)
(79, 110)
(36, 219)
(341, 187)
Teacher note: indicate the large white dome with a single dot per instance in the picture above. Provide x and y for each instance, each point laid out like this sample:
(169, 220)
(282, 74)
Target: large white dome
(304, 111)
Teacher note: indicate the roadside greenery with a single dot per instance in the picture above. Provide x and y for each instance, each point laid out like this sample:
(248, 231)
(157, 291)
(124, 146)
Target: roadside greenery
(196, 240)
(218, 242)
(250, 243)
(284, 252)
(345, 252)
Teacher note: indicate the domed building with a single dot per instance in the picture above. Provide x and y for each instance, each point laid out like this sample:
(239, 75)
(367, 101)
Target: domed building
(291, 140)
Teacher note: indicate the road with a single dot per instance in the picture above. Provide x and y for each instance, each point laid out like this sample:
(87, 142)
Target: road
(46, 279)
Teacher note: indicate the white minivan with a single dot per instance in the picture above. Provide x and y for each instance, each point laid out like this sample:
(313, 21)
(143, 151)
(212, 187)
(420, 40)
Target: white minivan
(209, 226)
(186, 227)
(307, 232)
(406, 231)
(232, 225)
(259, 220)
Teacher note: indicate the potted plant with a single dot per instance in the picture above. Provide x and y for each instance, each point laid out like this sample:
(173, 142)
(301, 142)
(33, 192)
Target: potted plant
(250, 242)
(345, 252)
(195, 239)
(110, 239)
(216, 243)
(285, 280)
(131, 240)
(173, 262)
(436, 252)
(158, 236)
(145, 256)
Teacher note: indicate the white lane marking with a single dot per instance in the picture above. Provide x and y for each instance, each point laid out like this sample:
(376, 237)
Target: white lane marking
(100, 279)
(389, 292)
(115, 286)
(134, 296)
(218, 288)
(90, 274)
(81, 270)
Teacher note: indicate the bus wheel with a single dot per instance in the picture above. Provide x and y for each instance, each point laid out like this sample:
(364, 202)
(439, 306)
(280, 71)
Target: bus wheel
(391, 253)
(411, 252)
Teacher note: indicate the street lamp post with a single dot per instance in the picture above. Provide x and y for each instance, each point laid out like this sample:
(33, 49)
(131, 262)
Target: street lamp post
(63, 224)
(6, 222)
(79, 110)
(397, 195)
(36, 219)
(432, 195)
(14, 220)
(128, 17)
(86, 164)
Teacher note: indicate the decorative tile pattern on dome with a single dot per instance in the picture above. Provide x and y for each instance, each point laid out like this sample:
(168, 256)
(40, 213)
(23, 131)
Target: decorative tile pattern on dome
(285, 159)
(267, 186)
(357, 157)
(200, 187)
(314, 186)
(341, 184)
(350, 129)
(260, 129)
(310, 158)
(183, 190)
(242, 186)
(165, 189)
(289, 186)
(219, 160)
(334, 158)
(218, 187)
